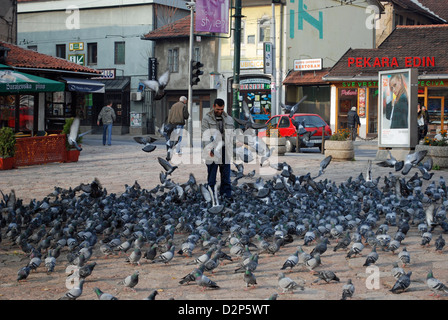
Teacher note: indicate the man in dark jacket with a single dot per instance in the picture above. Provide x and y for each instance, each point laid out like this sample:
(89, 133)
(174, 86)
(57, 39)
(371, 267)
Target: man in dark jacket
(177, 116)
(353, 122)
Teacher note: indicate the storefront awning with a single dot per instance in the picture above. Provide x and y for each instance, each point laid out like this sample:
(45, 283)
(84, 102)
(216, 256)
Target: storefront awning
(84, 85)
(14, 82)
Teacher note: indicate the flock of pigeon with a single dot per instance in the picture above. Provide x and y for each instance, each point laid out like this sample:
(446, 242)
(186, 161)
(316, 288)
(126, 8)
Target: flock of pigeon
(155, 226)
(72, 227)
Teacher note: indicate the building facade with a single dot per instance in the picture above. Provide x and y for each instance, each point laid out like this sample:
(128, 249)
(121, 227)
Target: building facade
(103, 35)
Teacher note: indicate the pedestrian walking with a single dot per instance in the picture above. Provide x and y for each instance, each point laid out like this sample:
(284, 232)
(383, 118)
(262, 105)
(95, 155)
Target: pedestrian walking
(177, 117)
(217, 129)
(107, 116)
(353, 122)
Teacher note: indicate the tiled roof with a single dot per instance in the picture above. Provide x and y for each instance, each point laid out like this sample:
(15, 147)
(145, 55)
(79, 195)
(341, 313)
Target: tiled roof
(177, 29)
(306, 77)
(25, 58)
(439, 7)
(403, 44)
(418, 7)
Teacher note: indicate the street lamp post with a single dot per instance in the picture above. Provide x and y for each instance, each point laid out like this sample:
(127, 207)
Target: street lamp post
(191, 5)
(236, 61)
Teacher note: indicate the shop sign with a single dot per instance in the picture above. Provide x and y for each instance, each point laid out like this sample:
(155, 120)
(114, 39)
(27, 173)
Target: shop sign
(77, 58)
(386, 62)
(360, 84)
(76, 46)
(431, 83)
(255, 86)
(251, 64)
(307, 64)
(107, 74)
(349, 92)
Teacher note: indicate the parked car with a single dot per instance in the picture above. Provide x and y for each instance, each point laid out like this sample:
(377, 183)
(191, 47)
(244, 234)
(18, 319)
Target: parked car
(287, 129)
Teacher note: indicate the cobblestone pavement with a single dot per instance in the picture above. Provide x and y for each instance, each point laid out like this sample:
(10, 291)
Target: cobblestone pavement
(124, 162)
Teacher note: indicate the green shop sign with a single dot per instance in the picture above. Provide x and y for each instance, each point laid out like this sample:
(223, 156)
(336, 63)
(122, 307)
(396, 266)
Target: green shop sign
(359, 84)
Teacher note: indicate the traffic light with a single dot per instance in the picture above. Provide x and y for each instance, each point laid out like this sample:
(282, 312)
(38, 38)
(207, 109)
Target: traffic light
(195, 72)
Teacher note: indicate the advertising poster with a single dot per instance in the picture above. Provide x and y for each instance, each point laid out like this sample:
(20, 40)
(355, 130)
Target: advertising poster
(212, 16)
(397, 108)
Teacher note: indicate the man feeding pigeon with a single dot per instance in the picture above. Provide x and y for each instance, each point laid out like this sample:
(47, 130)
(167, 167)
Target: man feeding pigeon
(217, 129)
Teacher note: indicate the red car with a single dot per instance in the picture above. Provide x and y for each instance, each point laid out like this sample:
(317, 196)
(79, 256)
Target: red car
(310, 121)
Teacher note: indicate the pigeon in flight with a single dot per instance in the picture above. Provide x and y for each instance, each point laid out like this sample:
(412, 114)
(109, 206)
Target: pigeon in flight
(147, 142)
(166, 165)
(391, 162)
(294, 108)
(74, 136)
(158, 86)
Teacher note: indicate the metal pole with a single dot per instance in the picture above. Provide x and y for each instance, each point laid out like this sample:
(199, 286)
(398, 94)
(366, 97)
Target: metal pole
(274, 109)
(236, 61)
(191, 6)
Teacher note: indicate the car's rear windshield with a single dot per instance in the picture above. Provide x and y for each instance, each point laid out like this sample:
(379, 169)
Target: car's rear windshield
(310, 121)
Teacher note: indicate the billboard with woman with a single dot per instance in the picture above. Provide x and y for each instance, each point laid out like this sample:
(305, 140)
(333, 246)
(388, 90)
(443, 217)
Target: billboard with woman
(398, 108)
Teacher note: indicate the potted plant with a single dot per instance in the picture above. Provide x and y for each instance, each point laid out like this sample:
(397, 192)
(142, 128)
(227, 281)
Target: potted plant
(339, 146)
(437, 148)
(274, 140)
(7, 148)
(72, 154)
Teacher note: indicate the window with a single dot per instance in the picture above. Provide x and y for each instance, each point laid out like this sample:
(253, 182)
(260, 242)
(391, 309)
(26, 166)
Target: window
(119, 53)
(92, 53)
(264, 29)
(34, 48)
(284, 122)
(173, 60)
(60, 51)
(196, 54)
(251, 39)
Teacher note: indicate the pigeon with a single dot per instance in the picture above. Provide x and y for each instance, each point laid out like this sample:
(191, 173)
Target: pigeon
(344, 243)
(250, 279)
(166, 165)
(313, 262)
(250, 263)
(287, 284)
(391, 162)
(426, 238)
(294, 108)
(86, 270)
(147, 142)
(404, 257)
(152, 295)
(327, 276)
(130, 281)
(440, 243)
(402, 283)
(321, 247)
(103, 295)
(371, 258)
(355, 249)
(249, 122)
(158, 86)
(167, 256)
(23, 273)
(396, 271)
(191, 277)
(413, 159)
(50, 263)
(134, 257)
(435, 285)
(348, 290)
(74, 293)
(203, 281)
(74, 135)
(291, 262)
(323, 165)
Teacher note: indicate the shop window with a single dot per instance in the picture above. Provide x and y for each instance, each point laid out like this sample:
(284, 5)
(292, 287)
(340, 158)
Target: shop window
(119, 52)
(24, 120)
(373, 111)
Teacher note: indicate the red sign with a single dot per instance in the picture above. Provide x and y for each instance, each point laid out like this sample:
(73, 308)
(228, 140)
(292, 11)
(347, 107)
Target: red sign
(409, 62)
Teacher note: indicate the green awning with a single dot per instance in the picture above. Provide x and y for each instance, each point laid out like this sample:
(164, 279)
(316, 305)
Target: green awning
(13, 82)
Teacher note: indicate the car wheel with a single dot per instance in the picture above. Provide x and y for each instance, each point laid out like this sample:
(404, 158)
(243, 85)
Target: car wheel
(290, 147)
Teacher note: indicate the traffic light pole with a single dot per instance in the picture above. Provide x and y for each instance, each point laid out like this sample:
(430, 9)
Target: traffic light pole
(236, 61)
